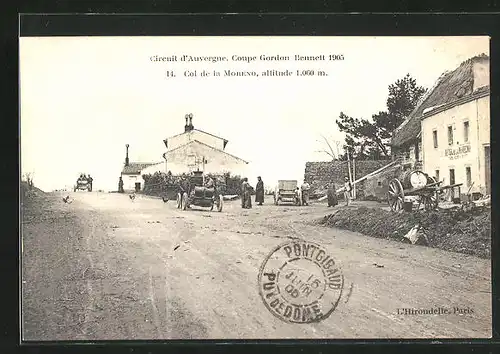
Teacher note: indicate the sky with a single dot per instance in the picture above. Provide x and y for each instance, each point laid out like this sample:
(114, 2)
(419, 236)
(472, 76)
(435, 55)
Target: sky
(83, 98)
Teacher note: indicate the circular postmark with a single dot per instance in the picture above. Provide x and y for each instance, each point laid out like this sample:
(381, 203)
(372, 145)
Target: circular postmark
(300, 282)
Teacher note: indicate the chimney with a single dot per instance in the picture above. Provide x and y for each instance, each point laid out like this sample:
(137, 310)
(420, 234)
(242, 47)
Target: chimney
(126, 156)
(189, 124)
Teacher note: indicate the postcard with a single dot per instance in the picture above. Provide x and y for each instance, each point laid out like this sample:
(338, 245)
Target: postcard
(255, 187)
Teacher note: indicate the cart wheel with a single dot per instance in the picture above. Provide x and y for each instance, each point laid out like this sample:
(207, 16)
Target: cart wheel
(395, 195)
(184, 201)
(220, 203)
(179, 199)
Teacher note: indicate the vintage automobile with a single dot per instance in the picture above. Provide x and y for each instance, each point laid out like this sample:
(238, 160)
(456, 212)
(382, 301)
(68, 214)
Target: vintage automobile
(82, 183)
(287, 192)
(196, 193)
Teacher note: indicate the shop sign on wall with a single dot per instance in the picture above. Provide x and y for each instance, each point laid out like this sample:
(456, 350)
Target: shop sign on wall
(457, 153)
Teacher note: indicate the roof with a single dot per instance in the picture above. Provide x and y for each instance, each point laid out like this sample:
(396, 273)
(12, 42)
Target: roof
(480, 92)
(450, 87)
(204, 132)
(206, 145)
(135, 168)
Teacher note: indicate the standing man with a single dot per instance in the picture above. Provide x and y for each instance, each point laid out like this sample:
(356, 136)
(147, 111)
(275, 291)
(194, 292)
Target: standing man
(305, 193)
(244, 185)
(120, 185)
(90, 179)
(248, 195)
(246, 200)
(259, 191)
(332, 195)
(347, 190)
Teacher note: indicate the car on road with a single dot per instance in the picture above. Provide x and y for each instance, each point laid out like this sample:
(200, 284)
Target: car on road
(287, 191)
(196, 193)
(82, 183)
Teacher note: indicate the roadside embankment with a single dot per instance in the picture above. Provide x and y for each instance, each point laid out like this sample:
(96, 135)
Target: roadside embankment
(455, 230)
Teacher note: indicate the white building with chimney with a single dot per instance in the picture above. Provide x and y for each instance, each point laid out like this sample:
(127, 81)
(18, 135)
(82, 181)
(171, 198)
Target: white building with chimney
(197, 150)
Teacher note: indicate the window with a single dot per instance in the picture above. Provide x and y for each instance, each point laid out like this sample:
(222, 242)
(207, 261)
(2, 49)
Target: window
(437, 175)
(435, 138)
(466, 132)
(450, 135)
(468, 176)
(452, 176)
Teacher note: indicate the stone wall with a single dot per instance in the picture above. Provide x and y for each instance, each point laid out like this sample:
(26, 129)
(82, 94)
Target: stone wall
(319, 174)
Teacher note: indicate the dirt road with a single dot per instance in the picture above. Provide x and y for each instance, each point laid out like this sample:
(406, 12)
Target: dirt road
(104, 268)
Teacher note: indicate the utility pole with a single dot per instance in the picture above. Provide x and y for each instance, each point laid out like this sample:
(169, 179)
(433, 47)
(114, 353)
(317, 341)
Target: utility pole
(348, 165)
(353, 178)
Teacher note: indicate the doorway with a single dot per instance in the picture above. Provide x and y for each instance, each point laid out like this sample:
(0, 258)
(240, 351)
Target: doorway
(487, 169)
(452, 181)
(137, 186)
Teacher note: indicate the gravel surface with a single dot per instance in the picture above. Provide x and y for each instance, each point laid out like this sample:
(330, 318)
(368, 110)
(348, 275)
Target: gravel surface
(104, 267)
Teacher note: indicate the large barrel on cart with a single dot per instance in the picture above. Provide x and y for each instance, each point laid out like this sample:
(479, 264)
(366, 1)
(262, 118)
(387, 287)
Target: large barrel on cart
(413, 179)
(413, 183)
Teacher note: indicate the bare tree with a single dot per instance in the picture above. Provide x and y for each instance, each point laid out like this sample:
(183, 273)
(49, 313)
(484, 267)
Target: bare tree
(332, 149)
(28, 177)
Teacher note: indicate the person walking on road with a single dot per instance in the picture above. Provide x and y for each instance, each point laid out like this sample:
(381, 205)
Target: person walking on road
(347, 190)
(259, 191)
(332, 195)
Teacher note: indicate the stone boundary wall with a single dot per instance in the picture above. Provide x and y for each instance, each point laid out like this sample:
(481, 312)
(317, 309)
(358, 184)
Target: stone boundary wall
(319, 174)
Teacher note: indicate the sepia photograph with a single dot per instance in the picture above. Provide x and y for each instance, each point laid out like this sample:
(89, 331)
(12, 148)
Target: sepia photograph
(254, 187)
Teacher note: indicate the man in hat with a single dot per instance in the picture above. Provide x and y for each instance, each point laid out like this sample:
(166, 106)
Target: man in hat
(347, 190)
(259, 191)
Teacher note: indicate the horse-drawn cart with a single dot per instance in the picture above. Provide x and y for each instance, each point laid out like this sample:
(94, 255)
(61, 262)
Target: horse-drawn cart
(416, 187)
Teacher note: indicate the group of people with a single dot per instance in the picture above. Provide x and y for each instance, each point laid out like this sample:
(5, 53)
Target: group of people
(246, 193)
(84, 177)
(302, 193)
